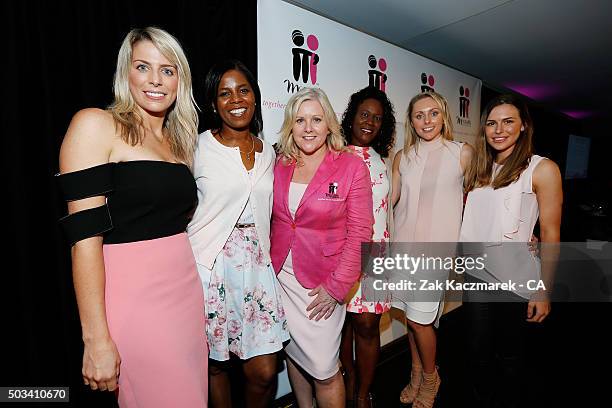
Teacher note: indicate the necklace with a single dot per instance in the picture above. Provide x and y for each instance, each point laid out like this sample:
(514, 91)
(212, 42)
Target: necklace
(248, 154)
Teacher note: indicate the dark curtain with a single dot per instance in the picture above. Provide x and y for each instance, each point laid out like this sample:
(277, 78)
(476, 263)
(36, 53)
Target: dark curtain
(61, 58)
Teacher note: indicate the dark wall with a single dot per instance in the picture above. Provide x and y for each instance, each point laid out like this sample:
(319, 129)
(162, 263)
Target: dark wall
(589, 201)
(61, 58)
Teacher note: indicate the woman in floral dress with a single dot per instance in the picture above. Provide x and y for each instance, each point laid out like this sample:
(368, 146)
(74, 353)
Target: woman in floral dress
(369, 125)
(230, 237)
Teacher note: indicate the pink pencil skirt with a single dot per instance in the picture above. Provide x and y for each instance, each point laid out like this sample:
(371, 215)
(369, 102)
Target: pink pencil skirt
(155, 313)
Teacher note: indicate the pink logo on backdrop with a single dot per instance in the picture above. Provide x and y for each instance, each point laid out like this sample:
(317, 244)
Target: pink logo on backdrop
(305, 60)
(376, 77)
(427, 82)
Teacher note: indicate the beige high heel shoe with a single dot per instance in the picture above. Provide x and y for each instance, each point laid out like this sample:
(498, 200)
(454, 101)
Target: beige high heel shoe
(410, 391)
(427, 392)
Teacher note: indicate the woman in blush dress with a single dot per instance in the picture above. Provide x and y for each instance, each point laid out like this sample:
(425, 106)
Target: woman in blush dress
(125, 172)
(510, 189)
(322, 213)
(369, 125)
(428, 195)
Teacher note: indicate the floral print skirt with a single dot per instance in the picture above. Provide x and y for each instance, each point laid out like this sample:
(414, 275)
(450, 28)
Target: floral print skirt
(244, 312)
(358, 302)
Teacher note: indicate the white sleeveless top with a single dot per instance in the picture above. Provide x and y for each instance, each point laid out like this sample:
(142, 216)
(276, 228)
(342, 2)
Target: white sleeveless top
(506, 214)
(431, 198)
(428, 210)
(502, 219)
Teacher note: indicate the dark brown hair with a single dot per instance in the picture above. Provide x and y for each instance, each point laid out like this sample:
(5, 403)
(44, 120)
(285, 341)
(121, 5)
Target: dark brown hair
(480, 172)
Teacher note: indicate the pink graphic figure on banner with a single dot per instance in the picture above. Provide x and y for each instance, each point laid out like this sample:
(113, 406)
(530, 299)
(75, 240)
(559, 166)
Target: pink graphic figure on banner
(313, 45)
(382, 65)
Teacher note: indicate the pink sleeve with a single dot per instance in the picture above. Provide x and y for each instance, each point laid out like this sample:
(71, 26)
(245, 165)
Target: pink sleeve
(359, 229)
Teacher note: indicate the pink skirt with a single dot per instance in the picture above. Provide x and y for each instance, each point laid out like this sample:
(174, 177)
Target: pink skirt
(314, 346)
(155, 313)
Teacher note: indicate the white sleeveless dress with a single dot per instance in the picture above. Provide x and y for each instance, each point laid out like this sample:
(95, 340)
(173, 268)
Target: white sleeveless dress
(429, 210)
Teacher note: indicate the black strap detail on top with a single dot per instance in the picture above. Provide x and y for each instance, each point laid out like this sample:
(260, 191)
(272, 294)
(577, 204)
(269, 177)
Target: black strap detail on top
(86, 224)
(90, 182)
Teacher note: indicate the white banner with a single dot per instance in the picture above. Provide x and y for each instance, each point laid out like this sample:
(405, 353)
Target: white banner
(298, 48)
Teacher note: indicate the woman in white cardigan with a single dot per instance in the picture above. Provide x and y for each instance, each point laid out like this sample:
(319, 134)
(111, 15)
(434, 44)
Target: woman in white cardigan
(230, 237)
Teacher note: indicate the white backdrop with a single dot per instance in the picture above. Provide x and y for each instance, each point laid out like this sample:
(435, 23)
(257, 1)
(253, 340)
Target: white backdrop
(343, 57)
(298, 48)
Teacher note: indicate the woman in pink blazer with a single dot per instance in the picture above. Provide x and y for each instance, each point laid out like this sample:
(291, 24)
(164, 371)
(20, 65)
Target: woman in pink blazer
(322, 213)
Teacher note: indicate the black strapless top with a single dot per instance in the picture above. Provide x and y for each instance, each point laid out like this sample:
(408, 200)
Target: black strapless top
(146, 199)
(151, 199)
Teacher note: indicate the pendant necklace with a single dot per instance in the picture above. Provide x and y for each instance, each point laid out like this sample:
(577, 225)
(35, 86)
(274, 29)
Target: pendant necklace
(248, 154)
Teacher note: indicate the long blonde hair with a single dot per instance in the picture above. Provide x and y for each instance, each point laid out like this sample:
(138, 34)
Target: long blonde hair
(286, 144)
(480, 171)
(410, 135)
(181, 121)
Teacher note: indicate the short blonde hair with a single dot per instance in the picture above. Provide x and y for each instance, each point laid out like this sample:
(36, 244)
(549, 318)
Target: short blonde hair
(410, 135)
(286, 144)
(181, 121)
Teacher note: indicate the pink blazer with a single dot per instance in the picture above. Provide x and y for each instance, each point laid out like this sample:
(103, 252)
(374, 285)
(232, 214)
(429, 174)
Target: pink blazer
(332, 220)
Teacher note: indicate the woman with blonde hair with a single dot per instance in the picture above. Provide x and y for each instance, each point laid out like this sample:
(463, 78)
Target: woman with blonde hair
(125, 173)
(428, 198)
(322, 213)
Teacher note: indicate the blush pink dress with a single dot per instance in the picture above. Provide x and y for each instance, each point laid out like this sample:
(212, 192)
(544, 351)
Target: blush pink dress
(429, 210)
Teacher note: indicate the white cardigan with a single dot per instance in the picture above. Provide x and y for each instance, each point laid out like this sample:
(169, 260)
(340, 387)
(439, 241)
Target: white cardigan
(224, 187)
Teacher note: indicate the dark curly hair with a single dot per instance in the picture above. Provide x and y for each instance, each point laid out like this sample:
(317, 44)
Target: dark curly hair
(211, 85)
(386, 135)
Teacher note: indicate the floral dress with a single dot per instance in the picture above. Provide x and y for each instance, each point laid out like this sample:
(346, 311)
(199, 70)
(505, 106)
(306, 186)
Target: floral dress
(380, 196)
(244, 310)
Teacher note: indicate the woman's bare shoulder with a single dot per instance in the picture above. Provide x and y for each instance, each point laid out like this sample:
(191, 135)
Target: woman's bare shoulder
(88, 140)
(397, 158)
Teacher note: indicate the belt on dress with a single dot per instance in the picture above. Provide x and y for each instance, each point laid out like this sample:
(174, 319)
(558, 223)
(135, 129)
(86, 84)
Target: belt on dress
(245, 225)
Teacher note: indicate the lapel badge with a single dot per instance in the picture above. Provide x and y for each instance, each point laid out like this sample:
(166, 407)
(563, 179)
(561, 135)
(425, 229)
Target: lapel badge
(332, 190)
